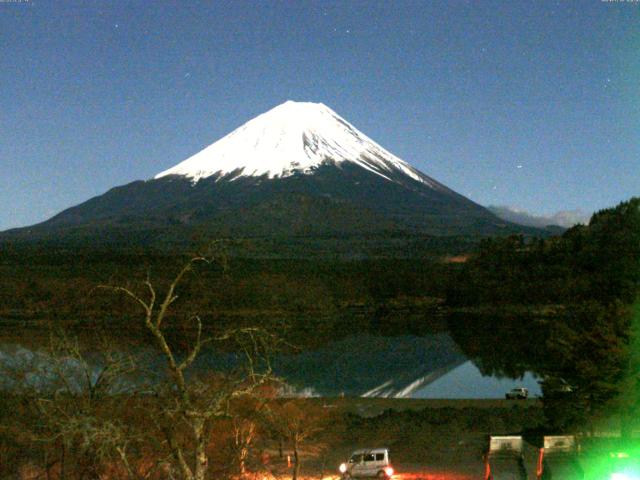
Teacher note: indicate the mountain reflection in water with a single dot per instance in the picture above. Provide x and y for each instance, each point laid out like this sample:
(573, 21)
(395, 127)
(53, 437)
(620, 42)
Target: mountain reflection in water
(404, 366)
(466, 381)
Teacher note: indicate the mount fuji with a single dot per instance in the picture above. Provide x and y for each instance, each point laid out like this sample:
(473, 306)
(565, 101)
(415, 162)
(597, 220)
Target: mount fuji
(297, 170)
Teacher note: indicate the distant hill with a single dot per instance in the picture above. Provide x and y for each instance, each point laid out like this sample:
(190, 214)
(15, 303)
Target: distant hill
(559, 220)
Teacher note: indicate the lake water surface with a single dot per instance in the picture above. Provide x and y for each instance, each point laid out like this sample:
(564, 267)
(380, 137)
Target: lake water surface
(404, 366)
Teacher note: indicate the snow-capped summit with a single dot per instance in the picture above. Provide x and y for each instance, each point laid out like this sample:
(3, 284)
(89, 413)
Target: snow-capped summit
(294, 137)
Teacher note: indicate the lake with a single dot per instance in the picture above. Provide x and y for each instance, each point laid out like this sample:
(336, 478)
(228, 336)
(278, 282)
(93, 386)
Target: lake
(403, 366)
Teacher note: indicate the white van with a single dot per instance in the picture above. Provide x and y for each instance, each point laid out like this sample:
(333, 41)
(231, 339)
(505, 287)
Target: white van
(519, 393)
(368, 462)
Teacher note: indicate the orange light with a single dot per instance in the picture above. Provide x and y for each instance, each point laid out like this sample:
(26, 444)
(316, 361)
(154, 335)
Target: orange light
(388, 471)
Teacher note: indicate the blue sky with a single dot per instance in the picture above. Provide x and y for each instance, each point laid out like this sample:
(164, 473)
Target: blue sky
(535, 105)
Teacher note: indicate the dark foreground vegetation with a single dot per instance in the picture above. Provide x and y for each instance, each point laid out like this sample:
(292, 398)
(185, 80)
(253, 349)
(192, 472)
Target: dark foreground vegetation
(88, 413)
(565, 308)
(256, 439)
(330, 297)
(561, 307)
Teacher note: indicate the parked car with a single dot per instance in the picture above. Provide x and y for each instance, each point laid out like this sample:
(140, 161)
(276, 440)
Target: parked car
(368, 462)
(519, 393)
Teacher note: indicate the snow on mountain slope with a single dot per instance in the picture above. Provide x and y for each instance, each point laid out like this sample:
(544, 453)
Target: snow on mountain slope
(294, 137)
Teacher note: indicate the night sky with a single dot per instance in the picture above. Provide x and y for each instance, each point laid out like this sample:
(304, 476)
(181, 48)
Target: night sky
(531, 104)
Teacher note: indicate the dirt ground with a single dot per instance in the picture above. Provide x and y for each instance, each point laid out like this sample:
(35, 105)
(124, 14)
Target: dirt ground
(428, 439)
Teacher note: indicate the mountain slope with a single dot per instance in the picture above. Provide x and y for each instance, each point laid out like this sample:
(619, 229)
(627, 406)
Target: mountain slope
(299, 169)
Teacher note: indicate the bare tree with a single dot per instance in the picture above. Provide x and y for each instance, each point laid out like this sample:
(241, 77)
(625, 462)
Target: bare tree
(246, 427)
(85, 411)
(296, 421)
(72, 406)
(188, 403)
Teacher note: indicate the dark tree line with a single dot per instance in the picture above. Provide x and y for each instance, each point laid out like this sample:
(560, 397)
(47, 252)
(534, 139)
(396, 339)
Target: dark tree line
(562, 307)
(596, 262)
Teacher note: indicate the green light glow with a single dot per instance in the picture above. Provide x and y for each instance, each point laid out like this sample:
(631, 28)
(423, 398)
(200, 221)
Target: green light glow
(611, 459)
